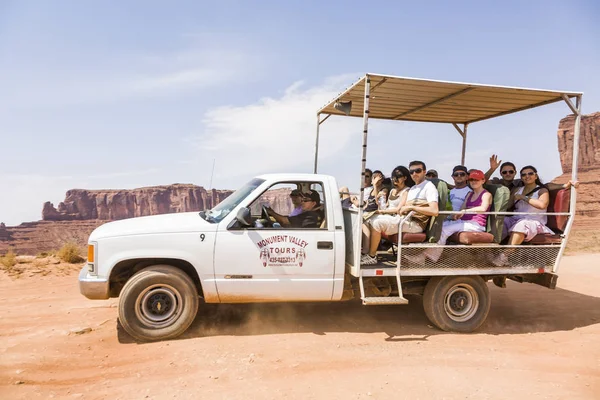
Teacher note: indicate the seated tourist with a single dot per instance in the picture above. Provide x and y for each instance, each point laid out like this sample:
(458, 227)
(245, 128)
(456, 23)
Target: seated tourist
(478, 199)
(431, 174)
(532, 198)
(508, 170)
(421, 198)
(459, 192)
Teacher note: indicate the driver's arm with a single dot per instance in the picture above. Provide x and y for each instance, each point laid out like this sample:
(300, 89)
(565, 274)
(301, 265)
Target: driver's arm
(283, 220)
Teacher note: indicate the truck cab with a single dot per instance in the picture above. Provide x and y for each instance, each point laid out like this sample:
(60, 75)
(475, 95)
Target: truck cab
(234, 253)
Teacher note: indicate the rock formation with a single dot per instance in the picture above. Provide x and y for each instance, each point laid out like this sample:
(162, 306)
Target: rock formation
(110, 205)
(588, 206)
(589, 142)
(82, 211)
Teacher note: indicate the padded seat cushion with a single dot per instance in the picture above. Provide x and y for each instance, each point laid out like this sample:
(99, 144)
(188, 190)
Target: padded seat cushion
(471, 237)
(406, 238)
(545, 239)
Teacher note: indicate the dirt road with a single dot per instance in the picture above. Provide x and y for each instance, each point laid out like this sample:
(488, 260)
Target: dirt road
(537, 343)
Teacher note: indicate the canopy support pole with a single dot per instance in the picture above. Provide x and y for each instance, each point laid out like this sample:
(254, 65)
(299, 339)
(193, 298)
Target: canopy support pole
(319, 122)
(463, 133)
(576, 129)
(363, 166)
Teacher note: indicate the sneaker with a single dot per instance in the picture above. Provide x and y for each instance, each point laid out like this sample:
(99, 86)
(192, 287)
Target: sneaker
(500, 260)
(366, 259)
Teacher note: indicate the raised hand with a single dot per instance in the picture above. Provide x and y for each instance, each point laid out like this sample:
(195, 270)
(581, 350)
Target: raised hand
(494, 163)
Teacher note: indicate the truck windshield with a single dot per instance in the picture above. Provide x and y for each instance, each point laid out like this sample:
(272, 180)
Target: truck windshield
(224, 208)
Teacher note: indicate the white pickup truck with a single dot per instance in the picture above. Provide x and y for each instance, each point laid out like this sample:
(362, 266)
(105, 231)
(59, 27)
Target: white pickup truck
(162, 266)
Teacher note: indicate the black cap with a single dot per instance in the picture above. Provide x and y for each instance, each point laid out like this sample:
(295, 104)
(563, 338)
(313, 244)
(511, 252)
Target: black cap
(313, 195)
(460, 168)
(432, 172)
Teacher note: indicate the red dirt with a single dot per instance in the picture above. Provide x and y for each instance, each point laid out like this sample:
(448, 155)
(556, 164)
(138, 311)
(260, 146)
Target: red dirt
(537, 343)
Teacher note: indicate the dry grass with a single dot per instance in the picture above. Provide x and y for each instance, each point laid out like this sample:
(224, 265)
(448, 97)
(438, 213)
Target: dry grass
(70, 253)
(9, 260)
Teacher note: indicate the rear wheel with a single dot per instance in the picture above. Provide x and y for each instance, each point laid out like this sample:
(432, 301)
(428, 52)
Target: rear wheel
(457, 303)
(157, 303)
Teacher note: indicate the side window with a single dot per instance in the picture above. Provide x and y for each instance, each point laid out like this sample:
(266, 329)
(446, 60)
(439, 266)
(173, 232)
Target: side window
(290, 205)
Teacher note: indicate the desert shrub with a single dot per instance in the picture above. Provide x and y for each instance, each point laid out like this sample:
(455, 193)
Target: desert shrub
(9, 260)
(43, 254)
(70, 253)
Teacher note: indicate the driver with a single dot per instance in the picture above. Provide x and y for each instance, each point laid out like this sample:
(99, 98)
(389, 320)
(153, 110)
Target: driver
(308, 218)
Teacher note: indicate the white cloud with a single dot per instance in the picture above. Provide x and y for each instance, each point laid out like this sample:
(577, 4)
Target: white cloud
(274, 133)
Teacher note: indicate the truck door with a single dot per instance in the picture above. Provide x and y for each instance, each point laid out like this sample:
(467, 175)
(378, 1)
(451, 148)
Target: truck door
(292, 259)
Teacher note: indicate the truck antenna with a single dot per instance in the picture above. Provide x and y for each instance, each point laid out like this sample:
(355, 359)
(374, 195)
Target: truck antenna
(212, 173)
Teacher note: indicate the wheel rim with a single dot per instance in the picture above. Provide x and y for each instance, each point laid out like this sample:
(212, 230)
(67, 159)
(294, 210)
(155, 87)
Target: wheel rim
(461, 302)
(158, 306)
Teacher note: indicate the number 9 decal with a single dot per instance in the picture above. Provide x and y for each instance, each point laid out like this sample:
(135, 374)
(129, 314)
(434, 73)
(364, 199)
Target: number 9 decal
(202, 237)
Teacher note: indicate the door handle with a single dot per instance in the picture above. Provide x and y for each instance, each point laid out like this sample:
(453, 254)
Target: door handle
(325, 245)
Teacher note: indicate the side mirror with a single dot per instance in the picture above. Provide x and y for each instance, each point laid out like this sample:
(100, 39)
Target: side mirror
(243, 217)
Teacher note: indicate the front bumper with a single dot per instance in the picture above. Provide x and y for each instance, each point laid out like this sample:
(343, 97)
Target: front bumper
(93, 287)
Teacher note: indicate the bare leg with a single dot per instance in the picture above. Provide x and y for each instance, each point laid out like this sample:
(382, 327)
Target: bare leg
(344, 193)
(365, 238)
(375, 239)
(516, 238)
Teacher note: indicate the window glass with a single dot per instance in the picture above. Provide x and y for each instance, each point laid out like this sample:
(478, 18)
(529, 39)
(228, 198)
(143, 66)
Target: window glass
(290, 205)
(224, 208)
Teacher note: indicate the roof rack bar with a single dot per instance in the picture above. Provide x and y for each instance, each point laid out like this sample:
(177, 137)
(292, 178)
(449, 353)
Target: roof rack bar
(570, 104)
(463, 133)
(363, 166)
(440, 100)
(319, 122)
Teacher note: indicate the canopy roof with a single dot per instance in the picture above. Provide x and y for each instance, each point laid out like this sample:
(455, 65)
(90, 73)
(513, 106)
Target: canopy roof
(412, 99)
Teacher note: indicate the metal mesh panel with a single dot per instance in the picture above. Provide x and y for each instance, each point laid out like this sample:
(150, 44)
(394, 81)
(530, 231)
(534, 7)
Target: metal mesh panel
(440, 260)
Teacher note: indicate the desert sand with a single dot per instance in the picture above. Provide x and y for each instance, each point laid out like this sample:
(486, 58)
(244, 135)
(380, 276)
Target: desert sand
(536, 343)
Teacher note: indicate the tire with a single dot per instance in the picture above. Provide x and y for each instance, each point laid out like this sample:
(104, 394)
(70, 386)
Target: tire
(457, 303)
(158, 303)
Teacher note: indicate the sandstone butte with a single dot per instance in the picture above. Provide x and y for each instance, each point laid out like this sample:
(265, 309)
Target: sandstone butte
(83, 210)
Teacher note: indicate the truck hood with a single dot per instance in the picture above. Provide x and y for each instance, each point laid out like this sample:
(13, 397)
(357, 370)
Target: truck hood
(165, 223)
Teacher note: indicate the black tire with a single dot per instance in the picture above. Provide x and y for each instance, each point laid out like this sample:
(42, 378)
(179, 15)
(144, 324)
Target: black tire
(157, 303)
(457, 303)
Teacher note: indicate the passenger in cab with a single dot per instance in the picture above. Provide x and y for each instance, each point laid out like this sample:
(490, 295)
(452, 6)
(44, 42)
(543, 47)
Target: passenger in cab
(422, 198)
(296, 197)
(476, 200)
(309, 217)
(459, 192)
(532, 198)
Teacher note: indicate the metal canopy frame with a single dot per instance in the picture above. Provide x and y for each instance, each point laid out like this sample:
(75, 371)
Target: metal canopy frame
(456, 103)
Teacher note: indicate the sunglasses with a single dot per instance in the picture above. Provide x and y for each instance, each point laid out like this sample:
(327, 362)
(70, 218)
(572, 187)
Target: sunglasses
(367, 176)
(457, 174)
(508, 172)
(474, 180)
(416, 171)
(527, 174)
(306, 200)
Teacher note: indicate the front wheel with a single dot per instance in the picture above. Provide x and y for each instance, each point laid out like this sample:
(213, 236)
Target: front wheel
(157, 303)
(457, 303)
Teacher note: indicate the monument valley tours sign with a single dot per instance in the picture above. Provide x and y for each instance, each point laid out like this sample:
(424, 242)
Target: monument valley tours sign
(282, 251)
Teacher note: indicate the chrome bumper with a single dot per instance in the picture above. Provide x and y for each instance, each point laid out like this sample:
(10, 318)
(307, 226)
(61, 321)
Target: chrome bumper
(93, 287)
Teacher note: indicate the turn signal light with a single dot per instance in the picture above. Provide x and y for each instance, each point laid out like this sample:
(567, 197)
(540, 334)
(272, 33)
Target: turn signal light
(90, 256)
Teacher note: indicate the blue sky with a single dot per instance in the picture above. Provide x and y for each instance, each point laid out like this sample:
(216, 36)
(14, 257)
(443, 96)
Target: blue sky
(127, 94)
